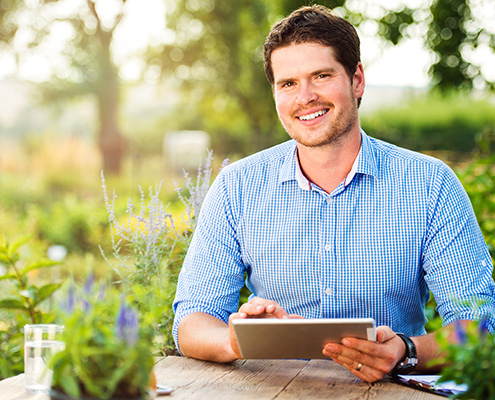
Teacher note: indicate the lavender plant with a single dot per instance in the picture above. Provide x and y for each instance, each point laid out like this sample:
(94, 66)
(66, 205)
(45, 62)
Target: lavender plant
(108, 350)
(150, 245)
(196, 191)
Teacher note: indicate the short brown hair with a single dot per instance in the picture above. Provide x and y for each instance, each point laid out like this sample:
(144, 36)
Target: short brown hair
(314, 24)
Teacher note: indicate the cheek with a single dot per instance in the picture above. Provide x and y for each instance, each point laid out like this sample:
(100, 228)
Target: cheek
(282, 105)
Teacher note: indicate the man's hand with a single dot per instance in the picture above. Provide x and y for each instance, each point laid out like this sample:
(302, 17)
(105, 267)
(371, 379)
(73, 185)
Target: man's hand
(262, 308)
(369, 361)
(256, 308)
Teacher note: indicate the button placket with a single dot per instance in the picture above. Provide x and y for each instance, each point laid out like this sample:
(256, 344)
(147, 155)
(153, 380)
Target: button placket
(327, 282)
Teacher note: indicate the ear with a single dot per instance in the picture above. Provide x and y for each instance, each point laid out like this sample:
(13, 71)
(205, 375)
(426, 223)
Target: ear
(358, 81)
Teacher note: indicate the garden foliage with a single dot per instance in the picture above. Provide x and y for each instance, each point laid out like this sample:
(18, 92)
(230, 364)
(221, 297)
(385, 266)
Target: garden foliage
(107, 345)
(145, 241)
(23, 301)
(149, 246)
(470, 360)
(430, 122)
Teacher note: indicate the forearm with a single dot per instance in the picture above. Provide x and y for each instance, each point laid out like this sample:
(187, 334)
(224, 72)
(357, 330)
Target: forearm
(205, 337)
(429, 350)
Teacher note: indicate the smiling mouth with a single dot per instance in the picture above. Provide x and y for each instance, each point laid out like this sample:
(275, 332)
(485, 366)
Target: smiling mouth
(312, 116)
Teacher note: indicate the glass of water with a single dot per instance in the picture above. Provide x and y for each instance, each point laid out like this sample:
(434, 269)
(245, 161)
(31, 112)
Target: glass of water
(41, 341)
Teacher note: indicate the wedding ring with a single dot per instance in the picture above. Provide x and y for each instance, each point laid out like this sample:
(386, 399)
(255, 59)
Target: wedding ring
(358, 368)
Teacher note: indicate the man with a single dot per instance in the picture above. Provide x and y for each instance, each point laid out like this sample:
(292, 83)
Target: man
(333, 223)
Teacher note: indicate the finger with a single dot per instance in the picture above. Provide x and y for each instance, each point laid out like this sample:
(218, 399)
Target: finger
(362, 371)
(363, 346)
(383, 352)
(252, 309)
(384, 334)
(351, 358)
(237, 315)
(295, 316)
(277, 311)
(345, 356)
(259, 307)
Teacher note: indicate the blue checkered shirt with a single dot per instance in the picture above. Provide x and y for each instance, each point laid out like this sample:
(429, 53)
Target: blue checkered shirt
(374, 247)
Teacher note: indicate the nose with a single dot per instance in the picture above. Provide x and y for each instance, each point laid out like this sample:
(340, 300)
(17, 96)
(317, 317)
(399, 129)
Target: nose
(307, 93)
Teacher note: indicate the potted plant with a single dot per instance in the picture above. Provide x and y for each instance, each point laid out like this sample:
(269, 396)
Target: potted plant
(108, 347)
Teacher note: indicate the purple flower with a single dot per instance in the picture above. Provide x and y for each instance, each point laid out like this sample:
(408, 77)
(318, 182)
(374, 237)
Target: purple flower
(483, 326)
(460, 332)
(88, 291)
(126, 327)
(225, 163)
(88, 286)
(69, 302)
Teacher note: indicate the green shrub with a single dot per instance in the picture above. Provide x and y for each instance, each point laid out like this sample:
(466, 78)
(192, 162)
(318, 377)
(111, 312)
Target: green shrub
(433, 122)
(478, 178)
(149, 246)
(22, 302)
(77, 225)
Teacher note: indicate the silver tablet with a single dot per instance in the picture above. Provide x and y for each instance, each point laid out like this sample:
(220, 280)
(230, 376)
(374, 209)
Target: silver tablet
(272, 338)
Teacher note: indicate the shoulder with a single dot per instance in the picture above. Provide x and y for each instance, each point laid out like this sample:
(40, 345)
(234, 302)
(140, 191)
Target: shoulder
(419, 173)
(394, 154)
(268, 160)
(391, 158)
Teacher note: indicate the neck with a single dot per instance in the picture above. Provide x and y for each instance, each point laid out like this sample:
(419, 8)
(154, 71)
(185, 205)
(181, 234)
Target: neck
(327, 166)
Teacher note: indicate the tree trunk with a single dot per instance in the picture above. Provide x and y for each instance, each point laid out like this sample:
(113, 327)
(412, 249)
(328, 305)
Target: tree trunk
(111, 141)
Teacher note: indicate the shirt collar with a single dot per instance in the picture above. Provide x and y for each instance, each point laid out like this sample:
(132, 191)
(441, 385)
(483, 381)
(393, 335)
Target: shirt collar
(365, 163)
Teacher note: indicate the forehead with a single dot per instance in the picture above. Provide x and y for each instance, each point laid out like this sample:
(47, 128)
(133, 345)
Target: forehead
(303, 58)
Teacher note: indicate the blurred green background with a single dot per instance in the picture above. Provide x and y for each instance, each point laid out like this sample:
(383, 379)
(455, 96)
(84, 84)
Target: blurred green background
(97, 85)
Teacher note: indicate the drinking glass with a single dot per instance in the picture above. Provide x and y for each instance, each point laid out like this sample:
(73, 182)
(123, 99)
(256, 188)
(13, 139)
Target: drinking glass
(41, 342)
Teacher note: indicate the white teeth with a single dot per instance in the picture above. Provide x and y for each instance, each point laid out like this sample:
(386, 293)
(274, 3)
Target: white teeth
(314, 115)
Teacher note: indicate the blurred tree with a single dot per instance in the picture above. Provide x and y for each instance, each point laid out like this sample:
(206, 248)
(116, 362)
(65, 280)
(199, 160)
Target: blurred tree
(8, 27)
(217, 58)
(85, 67)
(452, 34)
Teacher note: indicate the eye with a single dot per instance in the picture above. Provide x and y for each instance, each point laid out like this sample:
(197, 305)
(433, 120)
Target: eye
(288, 84)
(322, 76)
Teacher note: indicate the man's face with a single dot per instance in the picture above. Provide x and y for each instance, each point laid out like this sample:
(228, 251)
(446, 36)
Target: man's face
(314, 96)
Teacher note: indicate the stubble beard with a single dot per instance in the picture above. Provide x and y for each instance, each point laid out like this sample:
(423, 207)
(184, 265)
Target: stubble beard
(340, 126)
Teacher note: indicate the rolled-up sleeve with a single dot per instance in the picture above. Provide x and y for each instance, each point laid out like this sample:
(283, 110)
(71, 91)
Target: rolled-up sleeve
(213, 273)
(456, 260)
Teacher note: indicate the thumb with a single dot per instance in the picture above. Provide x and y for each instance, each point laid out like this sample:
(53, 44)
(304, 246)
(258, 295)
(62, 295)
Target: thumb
(384, 334)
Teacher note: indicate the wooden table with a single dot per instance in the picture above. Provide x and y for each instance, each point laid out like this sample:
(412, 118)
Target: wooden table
(254, 379)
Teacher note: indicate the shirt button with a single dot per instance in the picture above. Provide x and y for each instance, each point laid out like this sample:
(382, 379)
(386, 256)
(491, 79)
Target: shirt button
(329, 200)
(328, 291)
(328, 247)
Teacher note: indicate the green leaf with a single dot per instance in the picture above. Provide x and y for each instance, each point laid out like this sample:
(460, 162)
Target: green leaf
(29, 293)
(5, 370)
(47, 290)
(13, 304)
(70, 386)
(38, 265)
(7, 276)
(13, 247)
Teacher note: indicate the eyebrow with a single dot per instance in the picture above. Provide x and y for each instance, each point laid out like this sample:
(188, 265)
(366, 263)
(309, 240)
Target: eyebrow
(328, 70)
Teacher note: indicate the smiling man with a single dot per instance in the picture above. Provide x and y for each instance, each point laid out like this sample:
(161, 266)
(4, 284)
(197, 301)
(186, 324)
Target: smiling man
(333, 223)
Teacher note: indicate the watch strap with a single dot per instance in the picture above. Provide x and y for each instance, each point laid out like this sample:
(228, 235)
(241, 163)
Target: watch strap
(407, 365)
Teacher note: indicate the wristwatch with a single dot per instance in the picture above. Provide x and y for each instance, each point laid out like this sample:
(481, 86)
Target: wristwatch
(407, 365)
